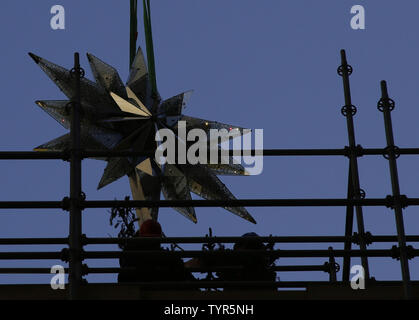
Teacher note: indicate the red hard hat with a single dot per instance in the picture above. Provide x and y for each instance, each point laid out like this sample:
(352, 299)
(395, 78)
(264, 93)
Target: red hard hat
(150, 228)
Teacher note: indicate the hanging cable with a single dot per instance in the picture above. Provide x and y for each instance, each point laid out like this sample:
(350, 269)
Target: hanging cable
(150, 46)
(133, 31)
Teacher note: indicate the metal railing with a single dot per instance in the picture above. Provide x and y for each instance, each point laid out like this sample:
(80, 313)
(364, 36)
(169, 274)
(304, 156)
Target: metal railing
(354, 203)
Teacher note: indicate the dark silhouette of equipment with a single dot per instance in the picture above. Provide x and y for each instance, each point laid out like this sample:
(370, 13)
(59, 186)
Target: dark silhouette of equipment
(153, 268)
(248, 267)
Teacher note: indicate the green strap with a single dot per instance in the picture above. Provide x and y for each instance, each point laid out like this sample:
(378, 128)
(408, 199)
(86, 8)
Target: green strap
(148, 39)
(133, 31)
(150, 47)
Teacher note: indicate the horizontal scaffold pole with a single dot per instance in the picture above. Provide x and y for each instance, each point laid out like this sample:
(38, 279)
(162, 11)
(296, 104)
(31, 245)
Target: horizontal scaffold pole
(65, 155)
(388, 202)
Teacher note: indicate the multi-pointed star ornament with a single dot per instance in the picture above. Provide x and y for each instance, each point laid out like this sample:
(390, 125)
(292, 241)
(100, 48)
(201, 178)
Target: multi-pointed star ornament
(115, 116)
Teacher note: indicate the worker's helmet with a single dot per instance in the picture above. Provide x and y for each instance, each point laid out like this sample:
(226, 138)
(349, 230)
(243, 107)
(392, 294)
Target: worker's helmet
(150, 228)
(244, 243)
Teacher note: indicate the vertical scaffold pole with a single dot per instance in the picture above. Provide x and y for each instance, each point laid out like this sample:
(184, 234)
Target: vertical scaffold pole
(349, 111)
(349, 222)
(386, 105)
(75, 259)
(333, 266)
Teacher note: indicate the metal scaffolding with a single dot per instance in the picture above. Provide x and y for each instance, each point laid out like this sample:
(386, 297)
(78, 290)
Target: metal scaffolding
(354, 203)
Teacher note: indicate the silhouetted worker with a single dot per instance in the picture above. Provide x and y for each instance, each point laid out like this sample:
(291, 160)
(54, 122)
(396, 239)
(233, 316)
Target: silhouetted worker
(151, 268)
(250, 267)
